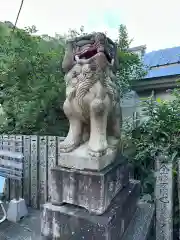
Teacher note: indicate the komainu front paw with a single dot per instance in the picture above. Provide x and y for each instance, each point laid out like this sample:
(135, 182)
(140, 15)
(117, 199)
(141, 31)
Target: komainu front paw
(97, 154)
(67, 146)
(97, 150)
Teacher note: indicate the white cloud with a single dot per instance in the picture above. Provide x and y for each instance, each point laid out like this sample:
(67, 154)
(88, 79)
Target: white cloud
(150, 22)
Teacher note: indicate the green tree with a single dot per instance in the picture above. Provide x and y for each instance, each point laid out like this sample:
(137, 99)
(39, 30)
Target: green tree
(32, 84)
(130, 65)
(158, 134)
(123, 40)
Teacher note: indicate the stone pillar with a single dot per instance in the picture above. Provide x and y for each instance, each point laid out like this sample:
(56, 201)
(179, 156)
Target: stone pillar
(164, 199)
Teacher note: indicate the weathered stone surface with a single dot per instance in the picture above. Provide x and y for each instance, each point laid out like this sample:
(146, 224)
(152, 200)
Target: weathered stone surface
(89, 189)
(71, 222)
(80, 159)
(141, 225)
(92, 103)
(164, 200)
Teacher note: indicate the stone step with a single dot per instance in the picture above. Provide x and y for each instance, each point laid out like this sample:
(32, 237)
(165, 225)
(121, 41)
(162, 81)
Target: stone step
(142, 224)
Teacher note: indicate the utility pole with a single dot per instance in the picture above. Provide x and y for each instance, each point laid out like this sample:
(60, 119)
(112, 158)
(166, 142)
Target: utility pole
(18, 14)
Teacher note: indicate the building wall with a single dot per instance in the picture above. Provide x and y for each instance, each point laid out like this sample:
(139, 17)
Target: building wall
(132, 107)
(162, 94)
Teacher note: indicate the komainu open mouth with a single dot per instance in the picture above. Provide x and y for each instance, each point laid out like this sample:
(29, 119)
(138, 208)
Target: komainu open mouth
(83, 49)
(91, 52)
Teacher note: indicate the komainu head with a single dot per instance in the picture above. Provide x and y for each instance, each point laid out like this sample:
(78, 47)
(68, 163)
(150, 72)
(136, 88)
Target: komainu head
(86, 48)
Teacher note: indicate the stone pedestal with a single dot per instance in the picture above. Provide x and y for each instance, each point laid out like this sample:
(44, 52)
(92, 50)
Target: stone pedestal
(92, 190)
(97, 205)
(72, 222)
(79, 158)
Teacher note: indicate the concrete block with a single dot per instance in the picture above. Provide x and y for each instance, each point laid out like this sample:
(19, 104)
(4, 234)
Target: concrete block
(16, 210)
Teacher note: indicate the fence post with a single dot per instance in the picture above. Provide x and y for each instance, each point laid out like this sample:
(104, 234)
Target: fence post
(12, 184)
(27, 168)
(52, 159)
(43, 170)
(19, 148)
(5, 146)
(34, 171)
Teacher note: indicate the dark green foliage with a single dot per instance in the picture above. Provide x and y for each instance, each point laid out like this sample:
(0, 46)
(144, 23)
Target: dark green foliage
(159, 133)
(31, 81)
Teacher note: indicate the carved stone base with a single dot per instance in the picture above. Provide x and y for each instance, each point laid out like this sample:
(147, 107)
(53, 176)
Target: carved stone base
(71, 222)
(93, 191)
(80, 159)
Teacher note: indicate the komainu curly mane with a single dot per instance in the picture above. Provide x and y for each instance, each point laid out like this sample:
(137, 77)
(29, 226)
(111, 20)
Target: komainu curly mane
(92, 101)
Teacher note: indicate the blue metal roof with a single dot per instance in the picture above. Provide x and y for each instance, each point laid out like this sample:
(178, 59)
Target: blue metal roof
(164, 71)
(168, 58)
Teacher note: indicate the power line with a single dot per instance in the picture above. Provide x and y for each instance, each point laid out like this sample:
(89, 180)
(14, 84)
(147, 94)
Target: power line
(18, 13)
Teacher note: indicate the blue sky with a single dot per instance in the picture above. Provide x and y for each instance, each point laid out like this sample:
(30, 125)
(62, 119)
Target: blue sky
(151, 22)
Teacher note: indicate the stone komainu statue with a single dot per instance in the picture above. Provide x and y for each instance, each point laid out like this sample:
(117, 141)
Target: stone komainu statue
(92, 101)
